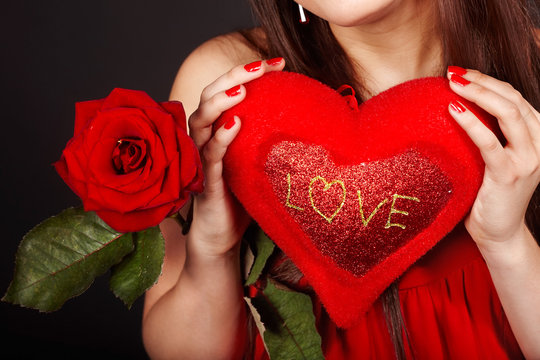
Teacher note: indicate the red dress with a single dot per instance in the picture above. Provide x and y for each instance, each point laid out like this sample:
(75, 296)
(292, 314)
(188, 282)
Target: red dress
(450, 307)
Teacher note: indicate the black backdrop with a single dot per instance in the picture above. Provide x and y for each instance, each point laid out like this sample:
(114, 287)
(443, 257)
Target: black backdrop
(54, 53)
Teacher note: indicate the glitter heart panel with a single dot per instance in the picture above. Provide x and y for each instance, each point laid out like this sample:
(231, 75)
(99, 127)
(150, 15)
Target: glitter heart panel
(356, 215)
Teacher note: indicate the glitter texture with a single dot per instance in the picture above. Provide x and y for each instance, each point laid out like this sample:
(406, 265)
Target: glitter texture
(359, 214)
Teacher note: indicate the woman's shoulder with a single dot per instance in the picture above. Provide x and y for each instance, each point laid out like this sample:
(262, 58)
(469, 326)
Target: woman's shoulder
(226, 50)
(210, 60)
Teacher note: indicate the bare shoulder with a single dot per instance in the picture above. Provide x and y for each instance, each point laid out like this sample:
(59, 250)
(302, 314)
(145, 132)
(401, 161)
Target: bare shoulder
(209, 61)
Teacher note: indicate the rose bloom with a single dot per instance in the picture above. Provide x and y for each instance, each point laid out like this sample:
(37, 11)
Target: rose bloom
(131, 160)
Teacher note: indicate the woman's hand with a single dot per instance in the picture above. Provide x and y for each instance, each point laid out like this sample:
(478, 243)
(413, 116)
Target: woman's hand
(512, 171)
(218, 220)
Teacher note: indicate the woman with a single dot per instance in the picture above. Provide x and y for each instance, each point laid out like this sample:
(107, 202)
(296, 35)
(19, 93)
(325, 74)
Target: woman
(196, 310)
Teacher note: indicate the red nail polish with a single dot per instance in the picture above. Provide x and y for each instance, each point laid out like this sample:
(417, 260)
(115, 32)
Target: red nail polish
(274, 61)
(254, 66)
(229, 124)
(233, 91)
(456, 79)
(457, 106)
(456, 70)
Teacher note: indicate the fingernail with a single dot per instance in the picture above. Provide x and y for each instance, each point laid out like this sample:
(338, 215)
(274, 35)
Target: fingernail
(235, 90)
(274, 61)
(229, 124)
(457, 107)
(254, 66)
(456, 70)
(456, 79)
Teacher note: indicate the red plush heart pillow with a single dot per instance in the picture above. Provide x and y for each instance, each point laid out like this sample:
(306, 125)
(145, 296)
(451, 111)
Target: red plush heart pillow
(353, 196)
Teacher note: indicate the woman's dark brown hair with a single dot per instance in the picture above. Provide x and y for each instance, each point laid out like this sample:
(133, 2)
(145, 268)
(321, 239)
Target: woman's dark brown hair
(496, 37)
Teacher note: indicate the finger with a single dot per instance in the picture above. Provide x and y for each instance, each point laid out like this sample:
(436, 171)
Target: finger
(215, 150)
(490, 148)
(218, 96)
(200, 122)
(504, 89)
(241, 74)
(530, 115)
(510, 118)
(533, 123)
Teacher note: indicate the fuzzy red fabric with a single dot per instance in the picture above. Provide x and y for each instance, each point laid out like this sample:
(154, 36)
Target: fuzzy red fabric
(353, 196)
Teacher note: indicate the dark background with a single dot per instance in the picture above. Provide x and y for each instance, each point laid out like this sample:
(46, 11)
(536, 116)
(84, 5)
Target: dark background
(54, 53)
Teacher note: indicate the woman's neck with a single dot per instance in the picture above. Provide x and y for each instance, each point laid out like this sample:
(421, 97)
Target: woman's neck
(401, 45)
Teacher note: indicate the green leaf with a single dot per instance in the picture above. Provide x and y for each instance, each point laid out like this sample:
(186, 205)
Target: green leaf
(288, 324)
(264, 248)
(60, 258)
(141, 269)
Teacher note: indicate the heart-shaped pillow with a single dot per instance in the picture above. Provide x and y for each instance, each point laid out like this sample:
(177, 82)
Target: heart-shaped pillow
(353, 196)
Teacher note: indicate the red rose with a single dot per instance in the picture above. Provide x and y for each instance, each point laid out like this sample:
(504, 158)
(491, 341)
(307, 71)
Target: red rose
(131, 160)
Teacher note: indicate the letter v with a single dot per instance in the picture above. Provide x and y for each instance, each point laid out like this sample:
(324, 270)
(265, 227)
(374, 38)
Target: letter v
(364, 221)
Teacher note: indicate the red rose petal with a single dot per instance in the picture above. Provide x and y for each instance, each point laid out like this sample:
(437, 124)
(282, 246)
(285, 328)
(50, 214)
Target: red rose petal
(180, 203)
(105, 173)
(76, 160)
(79, 188)
(136, 220)
(165, 128)
(134, 188)
(84, 112)
(129, 155)
(170, 190)
(118, 201)
(117, 123)
(176, 109)
(123, 123)
(76, 164)
(102, 169)
(76, 186)
(189, 157)
(128, 98)
(197, 183)
(94, 200)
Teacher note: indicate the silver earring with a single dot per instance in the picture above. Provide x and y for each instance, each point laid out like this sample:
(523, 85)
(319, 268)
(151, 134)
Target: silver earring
(303, 17)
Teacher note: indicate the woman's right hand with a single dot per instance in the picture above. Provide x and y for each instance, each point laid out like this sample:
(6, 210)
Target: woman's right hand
(219, 221)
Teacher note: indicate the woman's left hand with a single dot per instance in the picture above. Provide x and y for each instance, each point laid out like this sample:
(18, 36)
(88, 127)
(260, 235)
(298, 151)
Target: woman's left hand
(512, 171)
